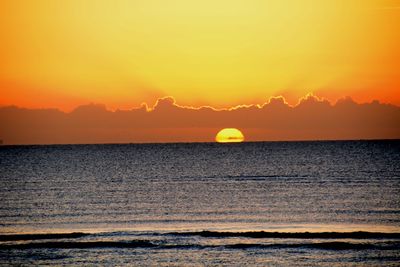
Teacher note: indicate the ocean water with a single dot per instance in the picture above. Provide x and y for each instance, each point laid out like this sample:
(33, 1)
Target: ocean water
(201, 204)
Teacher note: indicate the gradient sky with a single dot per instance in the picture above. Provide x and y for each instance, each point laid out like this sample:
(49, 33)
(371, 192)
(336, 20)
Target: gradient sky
(212, 52)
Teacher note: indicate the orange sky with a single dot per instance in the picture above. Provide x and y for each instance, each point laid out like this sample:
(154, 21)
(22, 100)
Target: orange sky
(220, 53)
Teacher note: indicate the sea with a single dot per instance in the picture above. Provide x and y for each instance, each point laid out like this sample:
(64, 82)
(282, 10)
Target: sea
(309, 203)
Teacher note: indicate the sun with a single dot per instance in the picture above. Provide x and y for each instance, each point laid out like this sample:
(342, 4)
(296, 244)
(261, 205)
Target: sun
(229, 135)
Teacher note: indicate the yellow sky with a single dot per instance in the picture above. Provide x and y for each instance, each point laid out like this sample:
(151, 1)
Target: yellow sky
(215, 52)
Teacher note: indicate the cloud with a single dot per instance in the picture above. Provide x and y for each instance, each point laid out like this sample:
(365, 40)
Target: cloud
(312, 118)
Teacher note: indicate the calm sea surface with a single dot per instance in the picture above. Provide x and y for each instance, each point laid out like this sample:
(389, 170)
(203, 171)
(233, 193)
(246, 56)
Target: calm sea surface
(263, 203)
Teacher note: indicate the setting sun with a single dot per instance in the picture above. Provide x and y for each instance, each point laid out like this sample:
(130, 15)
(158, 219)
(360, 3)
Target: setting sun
(176, 123)
(229, 135)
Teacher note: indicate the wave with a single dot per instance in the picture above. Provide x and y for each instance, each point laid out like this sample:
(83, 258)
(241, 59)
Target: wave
(322, 245)
(21, 237)
(80, 245)
(393, 245)
(216, 234)
(302, 235)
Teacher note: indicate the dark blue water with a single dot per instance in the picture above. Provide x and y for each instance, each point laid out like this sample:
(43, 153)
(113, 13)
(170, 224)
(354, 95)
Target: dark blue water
(148, 204)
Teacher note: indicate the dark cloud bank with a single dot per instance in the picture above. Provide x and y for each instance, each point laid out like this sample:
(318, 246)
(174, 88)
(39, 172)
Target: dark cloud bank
(311, 119)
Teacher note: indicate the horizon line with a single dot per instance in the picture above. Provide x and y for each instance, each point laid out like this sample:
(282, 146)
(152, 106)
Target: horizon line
(208, 142)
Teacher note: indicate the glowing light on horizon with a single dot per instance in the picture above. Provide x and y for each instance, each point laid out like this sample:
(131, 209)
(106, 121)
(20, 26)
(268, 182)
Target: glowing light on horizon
(229, 135)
